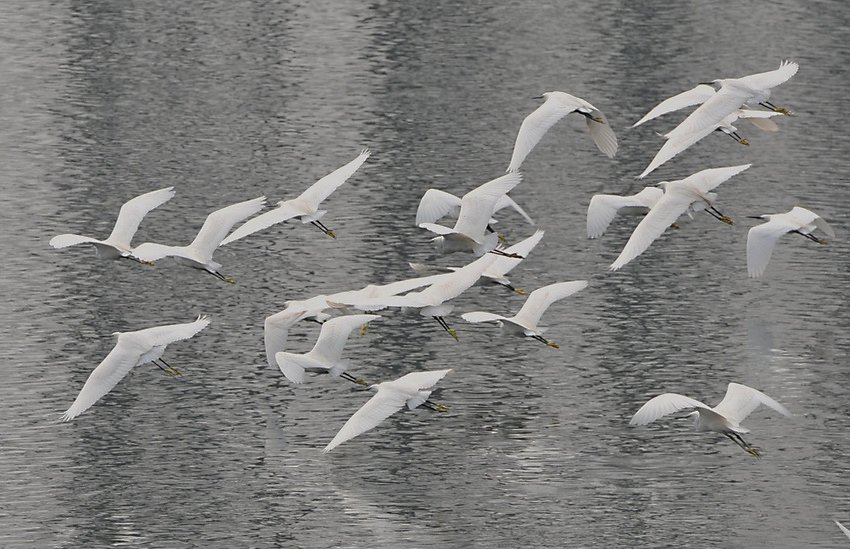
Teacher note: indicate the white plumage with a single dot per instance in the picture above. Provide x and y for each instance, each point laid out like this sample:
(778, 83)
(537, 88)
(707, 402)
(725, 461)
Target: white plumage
(761, 239)
(603, 208)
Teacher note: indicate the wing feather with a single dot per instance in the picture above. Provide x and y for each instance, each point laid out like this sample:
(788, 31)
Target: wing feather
(694, 96)
(105, 376)
(535, 126)
(475, 317)
(133, 211)
(663, 405)
(477, 205)
(323, 188)
(761, 240)
(381, 406)
(335, 333)
(740, 401)
(434, 205)
(283, 212)
(540, 299)
(219, 223)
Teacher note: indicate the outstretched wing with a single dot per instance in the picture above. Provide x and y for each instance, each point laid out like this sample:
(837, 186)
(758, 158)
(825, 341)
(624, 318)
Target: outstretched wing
(133, 211)
(478, 204)
(761, 240)
(675, 144)
(323, 188)
(536, 124)
(283, 212)
(434, 205)
(164, 335)
(335, 333)
(603, 208)
(740, 401)
(65, 240)
(708, 180)
(540, 299)
(108, 373)
(507, 202)
(771, 79)
(503, 265)
(663, 405)
(602, 134)
(381, 406)
(694, 96)
(219, 223)
(475, 317)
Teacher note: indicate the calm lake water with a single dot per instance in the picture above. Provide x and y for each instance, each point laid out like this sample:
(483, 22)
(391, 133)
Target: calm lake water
(228, 100)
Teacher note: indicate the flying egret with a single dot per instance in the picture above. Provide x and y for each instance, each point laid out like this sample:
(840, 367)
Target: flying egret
(557, 105)
(470, 230)
(412, 390)
(524, 323)
(843, 529)
(117, 245)
(132, 349)
(305, 206)
(761, 239)
(432, 301)
(436, 204)
(683, 196)
(604, 207)
(326, 355)
(199, 254)
(740, 401)
(732, 95)
(497, 272)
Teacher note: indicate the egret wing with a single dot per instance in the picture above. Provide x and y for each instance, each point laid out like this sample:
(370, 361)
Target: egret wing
(151, 251)
(419, 381)
(65, 240)
(708, 116)
(708, 180)
(675, 144)
(283, 212)
(219, 223)
(535, 126)
(503, 265)
(294, 366)
(508, 202)
(694, 96)
(660, 217)
(771, 79)
(477, 205)
(475, 317)
(603, 208)
(663, 405)
(381, 406)
(434, 205)
(602, 134)
(276, 332)
(164, 335)
(323, 188)
(134, 210)
(335, 333)
(540, 299)
(740, 401)
(108, 373)
(761, 240)
(843, 529)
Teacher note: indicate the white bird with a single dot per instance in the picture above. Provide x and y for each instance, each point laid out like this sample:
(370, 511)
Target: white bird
(497, 272)
(740, 401)
(732, 95)
(199, 254)
(683, 196)
(117, 245)
(132, 349)
(432, 301)
(558, 105)
(411, 390)
(603, 208)
(843, 529)
(306, 206)
(326, 355)
(524, 323)
(470, 230)
(761, 239)
(436, 204)
(276, 331)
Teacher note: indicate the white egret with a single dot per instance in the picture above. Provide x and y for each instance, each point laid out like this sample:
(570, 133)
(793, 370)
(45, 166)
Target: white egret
(304, 207)
(497, 272)
(470, 230)
(843, 529)
(604, 207)
(276, 331)
(683, 196)
(436, 204)
(326, 355)
(740, 401)
(199, 254)
(557, 105)
(761, 239)
(117, 245)
(411, 390)
(524, 323)
(132, 349)
(432, 301)
(732, 95)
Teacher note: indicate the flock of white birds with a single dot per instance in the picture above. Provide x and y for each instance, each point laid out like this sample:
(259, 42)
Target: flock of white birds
(721, 104)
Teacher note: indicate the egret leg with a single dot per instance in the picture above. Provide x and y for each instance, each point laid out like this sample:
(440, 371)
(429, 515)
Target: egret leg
(503, 254)
(321, 227)
(351, 378)
(774, 108)
(545, 341)
(736, 438)
(716, 214)
(520, 291)
(811, 237)
(165, 367)
(221, 277)
(442, 322)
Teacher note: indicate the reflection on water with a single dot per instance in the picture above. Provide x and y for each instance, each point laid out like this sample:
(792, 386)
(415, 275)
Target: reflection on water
(230, 100)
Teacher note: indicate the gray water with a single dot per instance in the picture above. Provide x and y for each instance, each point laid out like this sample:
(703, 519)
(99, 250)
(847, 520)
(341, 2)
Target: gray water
(228, 100)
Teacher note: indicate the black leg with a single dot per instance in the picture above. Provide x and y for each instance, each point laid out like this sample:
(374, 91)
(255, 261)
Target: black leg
(503, 254)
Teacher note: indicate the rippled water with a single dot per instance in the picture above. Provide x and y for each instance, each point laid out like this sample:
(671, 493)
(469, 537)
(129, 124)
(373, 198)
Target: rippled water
(229, 100)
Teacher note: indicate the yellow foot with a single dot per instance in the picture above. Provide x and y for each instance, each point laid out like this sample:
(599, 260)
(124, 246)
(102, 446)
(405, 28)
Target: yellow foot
(331, 234)
(441, 408)
(364, 329)
(148, 263)
(452, 332)
(822, 241)
(728, 220)
(753, 451)
(230, 280)
(597, 119)
(520, 291)
(172, 371)
(784, 111)
(744, 142)
(361, 381)
(553, 344)
(675, 226)
(502, 238)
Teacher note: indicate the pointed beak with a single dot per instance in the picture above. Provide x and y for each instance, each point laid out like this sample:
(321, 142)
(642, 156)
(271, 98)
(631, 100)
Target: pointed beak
(538, 97)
